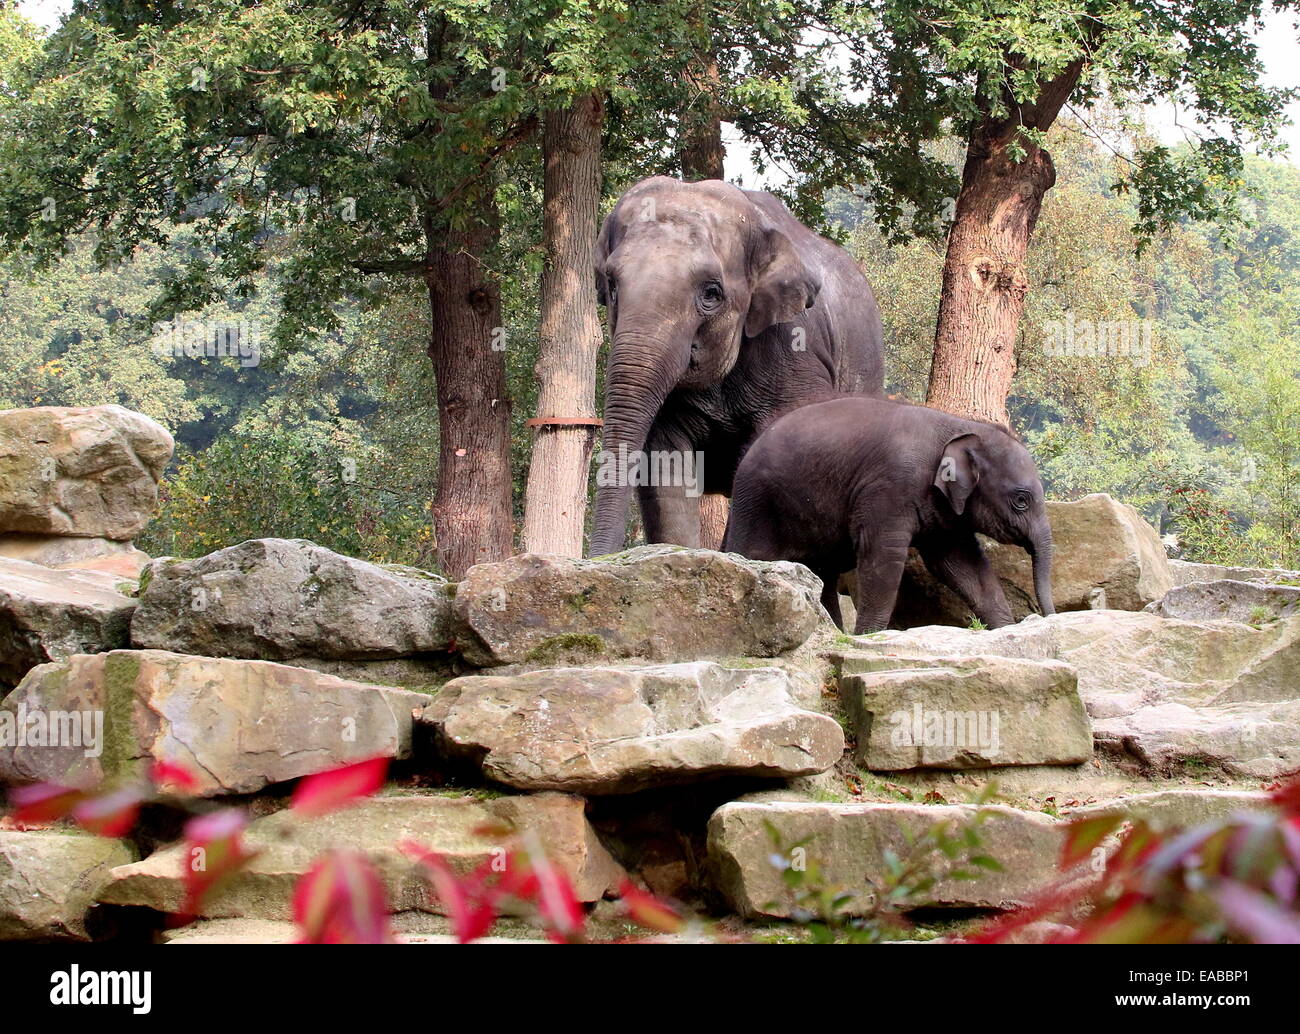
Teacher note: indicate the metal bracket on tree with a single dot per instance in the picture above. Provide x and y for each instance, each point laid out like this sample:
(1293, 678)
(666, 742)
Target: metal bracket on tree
(564, 421)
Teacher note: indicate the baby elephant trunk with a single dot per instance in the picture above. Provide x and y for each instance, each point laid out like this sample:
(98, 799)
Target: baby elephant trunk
(1040, 551)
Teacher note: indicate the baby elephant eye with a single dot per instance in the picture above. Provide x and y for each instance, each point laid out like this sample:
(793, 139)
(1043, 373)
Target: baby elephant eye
(1021, 501)
(711, 293)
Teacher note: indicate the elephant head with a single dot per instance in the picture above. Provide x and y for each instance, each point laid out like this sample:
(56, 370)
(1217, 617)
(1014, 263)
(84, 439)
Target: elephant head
(687, 272)
(990, 481)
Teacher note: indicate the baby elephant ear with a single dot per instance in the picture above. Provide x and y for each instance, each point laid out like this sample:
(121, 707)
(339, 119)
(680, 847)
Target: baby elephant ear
(957, 474)
(783, 285)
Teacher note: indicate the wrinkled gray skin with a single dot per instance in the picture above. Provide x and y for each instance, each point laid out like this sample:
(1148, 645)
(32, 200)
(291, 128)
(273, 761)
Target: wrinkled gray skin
(854, 482)
(724, 311)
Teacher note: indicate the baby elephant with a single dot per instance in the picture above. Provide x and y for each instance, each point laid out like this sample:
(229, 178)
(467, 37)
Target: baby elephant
(853, 482)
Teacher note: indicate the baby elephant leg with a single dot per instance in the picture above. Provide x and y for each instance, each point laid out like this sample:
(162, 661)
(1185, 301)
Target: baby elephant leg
(830, 594)
(962, 565)
(881, 559)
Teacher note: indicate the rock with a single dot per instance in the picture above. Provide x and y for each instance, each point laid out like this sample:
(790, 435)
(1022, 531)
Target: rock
(1163, 692)
(1175, 809)
(124, 566)
(658, 603)
(1228, 600)
(851, 843)
(610, 730)
(282, 931)
(279, 599)
(1041, 933)
(49, 880)
(1185, 573)
(46, 615)
(287, 846)
(423, 674)
(1106, 557)
(966, 713)
(235, 931)
(66, 551)
(1099, 543)
(238, 726)
(1035, 639)
(90, 472)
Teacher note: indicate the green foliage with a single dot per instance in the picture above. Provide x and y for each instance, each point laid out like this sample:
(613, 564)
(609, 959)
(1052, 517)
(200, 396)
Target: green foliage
(287, 485)
(945, 850)
(1201, 435)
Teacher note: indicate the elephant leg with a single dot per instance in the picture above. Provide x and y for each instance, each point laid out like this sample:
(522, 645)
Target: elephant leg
(670, 502)
(962, 565)
(670, 515)
(881, 558)
(830, 594)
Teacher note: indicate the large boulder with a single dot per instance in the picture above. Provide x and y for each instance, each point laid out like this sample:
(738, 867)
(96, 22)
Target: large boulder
(658, 603)
(46, 615)
(1106, 556)
(977, 712)
(1185, 573)
(238, 726)
(280, 599)
(851, 845)
(67, 551)
(49, 880)
(1254, 603)
(89, 472)
(1163, 692)
(611, 730)
(1168, 810)
(461, 829)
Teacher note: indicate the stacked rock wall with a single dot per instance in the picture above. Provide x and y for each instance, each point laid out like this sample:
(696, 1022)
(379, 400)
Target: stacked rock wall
(683, 718)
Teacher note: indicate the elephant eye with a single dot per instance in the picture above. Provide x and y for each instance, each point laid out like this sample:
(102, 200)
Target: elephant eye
(711, 295)
(1021, 501)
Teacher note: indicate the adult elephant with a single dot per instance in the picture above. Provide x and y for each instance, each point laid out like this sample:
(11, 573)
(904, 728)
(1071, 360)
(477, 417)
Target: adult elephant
(724, 311)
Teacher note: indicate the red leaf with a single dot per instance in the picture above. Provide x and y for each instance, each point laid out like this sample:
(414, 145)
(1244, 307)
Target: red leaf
(470, 902)
(341, 900)
(168, 773)
(111, 814)
(1082, 836)
(1257, 916)
(43, 803)
(646, 910)
(328, 791)
(561, 912)
(215, 852)
(1287, 796)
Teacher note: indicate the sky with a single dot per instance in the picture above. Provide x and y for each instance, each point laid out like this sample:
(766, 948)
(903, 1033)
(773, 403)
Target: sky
(1279, 49)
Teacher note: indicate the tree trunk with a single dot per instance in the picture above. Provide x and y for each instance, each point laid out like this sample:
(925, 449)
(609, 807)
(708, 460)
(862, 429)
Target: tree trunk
(703, 156)
(984, 281)
(714, 510)
(700, 147)
(471, 509)
(555, 507)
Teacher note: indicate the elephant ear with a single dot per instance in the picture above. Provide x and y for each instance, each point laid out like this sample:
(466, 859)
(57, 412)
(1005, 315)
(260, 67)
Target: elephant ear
(783, 285)
(602, 253)
(958, 473)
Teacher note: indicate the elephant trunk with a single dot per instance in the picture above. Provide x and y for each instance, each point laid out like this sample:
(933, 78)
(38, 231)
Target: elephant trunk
(1040, 550)
(643, 369)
